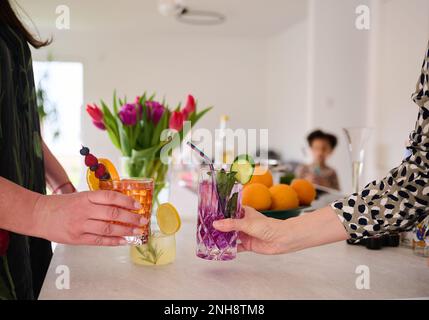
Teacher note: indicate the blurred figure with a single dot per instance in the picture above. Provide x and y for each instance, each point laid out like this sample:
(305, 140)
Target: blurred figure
(318, 172)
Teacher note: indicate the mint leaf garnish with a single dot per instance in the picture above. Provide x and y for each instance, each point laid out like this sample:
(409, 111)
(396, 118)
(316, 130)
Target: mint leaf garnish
(225, 183)
(231, 207)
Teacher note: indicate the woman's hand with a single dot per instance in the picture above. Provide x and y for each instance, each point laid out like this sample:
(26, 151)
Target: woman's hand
(270, 236)
(257, 232)
(86, 218)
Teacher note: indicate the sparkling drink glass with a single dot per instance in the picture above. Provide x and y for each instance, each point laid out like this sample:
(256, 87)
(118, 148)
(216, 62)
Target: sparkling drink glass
(357, 138)
(211, 243)
(140, 190)
(159, 250)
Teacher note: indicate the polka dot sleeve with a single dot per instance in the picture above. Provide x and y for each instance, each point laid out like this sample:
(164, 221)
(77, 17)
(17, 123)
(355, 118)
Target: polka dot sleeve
(400, 200)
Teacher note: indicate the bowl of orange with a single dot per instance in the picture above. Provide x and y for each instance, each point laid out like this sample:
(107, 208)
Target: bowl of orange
(280, 201)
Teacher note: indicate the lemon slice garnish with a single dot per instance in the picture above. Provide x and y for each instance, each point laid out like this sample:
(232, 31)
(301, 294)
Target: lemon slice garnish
(168, 219)
(93, 182)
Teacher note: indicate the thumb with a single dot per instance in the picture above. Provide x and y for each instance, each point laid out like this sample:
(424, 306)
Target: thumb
(227, 225)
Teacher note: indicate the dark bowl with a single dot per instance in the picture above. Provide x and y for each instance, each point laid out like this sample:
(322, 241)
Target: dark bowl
(283, 214)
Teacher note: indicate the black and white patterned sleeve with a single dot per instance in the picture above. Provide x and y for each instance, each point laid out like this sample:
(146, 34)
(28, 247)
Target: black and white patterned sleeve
(400, 200)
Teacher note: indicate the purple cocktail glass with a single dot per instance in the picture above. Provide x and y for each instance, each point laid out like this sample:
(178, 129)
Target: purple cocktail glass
(211, 243)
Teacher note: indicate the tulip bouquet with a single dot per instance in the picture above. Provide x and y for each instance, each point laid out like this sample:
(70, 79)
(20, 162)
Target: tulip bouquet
(138, 130)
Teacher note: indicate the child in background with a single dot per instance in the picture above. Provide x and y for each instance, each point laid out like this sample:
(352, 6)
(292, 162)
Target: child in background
(318, 172)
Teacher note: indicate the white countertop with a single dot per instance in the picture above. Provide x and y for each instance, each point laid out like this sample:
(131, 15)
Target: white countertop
(326, 272)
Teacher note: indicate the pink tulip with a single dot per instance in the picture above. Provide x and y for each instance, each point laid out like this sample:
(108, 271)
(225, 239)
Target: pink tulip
(96, 115)
(189, 107)
(100, 125)
(94, 112)
(176, 120)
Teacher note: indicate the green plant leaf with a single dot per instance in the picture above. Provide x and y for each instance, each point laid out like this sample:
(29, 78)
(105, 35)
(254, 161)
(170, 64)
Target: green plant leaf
(162, 124)
(178, 107)
(200, 114)
(125, 143)
(149, 152)
(106, 110)
(114, 139)
(115, 103)
(111, 125)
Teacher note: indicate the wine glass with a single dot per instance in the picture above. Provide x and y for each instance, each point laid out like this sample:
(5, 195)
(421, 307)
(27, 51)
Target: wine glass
(357, 138)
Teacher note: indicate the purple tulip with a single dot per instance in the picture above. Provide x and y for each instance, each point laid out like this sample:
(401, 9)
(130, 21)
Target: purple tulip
(155, 110)
(128, 114)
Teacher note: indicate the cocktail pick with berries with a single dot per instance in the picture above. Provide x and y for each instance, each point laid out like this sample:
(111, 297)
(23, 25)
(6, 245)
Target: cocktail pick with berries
(92, 163)
(98, 169)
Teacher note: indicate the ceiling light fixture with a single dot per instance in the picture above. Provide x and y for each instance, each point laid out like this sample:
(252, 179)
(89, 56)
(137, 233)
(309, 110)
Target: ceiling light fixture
(200, 17)
(177, 8)
(169, 8)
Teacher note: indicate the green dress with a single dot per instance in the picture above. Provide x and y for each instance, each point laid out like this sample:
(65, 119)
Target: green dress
(21, 157)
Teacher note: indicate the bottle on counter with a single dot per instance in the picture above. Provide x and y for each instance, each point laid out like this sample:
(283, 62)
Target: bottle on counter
(224, 147)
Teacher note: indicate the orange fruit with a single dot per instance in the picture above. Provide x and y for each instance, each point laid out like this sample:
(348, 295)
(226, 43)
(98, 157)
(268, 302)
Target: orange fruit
(93, 182)
(305, 190)
(261, 175)
(283, 197)
(257, 196)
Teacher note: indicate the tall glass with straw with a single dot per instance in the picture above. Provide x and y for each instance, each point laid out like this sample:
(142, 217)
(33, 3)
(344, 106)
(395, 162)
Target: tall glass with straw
(214, 204)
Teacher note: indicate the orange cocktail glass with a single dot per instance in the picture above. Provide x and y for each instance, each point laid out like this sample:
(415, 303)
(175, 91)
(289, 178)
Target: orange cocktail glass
(140, 190)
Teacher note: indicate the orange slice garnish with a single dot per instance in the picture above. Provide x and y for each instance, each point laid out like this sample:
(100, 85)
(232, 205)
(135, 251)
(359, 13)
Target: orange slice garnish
(93, 182)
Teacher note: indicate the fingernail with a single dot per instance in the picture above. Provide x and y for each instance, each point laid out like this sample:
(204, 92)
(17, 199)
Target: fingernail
(138, 231)
(137, 205)
(123, 242)
(144, 221)
(217, 223)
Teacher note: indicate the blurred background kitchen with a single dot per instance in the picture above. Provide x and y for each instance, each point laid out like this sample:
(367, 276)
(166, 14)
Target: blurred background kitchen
(291, 66)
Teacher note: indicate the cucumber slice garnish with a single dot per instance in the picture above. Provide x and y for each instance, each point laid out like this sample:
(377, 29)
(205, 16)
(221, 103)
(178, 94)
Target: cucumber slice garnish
(243, 165)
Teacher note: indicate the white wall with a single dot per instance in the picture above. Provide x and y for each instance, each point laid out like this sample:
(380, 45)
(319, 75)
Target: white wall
(286, 95)
(402, 36)
(339, 60)
(317, 75)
